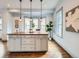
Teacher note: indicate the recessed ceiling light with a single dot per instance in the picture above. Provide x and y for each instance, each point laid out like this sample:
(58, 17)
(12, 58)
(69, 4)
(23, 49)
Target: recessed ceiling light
(14, 10)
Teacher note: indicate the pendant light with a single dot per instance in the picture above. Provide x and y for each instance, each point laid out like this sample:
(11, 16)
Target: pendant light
(41, 8)
(39, 27)
(31, 15)
(30, 9)
(17, 21)
(20, 20)
(20, 9)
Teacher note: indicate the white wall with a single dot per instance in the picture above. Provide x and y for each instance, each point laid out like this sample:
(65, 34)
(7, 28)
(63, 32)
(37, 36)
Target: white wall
(70, 40)
(6, 24)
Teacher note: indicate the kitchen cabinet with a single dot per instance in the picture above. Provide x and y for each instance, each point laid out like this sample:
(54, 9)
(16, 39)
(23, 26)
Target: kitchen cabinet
(26, 42)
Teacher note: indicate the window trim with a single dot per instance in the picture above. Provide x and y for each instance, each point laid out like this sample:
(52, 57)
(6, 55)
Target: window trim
(61, 9)
(35, 25)
(1, 26)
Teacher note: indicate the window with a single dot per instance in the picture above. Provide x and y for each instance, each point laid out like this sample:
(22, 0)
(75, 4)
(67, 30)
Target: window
(59, 23)
(0, 27)
(39, 23)
(27, 24)
(35, 21)
(43, 24)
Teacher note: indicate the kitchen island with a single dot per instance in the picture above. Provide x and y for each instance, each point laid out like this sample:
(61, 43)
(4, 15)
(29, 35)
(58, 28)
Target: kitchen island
(27, 42)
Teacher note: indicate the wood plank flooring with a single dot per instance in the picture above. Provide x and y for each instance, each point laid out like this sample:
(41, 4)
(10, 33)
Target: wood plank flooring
(54, 51)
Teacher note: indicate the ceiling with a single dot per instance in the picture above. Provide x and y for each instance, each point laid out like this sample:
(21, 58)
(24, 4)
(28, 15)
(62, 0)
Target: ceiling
(14, 5)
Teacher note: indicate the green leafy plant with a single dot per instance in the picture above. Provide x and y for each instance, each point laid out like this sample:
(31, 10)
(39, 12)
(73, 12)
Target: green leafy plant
(33, 25)
(49, 27)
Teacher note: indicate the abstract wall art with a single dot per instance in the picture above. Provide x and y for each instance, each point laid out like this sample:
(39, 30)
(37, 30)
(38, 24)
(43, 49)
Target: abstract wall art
(72, 20)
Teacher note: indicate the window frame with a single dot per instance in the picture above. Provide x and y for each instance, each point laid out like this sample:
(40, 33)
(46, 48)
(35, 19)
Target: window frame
(35, 25)
(1, 26)
(57, 23)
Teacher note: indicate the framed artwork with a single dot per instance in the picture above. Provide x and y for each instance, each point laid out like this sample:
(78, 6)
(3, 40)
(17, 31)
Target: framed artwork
(72, 20)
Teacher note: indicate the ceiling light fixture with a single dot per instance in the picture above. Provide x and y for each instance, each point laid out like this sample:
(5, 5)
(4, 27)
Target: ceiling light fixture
(14, 10)
(31, 20)
(20, 8)
(30, 9)
(41, 8)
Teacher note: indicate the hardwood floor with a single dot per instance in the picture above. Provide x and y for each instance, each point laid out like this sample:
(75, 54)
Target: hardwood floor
(54, 51)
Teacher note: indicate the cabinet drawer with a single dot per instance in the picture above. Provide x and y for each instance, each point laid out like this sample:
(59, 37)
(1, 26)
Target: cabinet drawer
(43, 36)
(27, 41)
(14, 44)
(33, 36)
(28, 36)
(27, 45)
(28, 48)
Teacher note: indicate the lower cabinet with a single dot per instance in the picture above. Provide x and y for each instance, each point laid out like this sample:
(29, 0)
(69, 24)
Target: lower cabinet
(38, 44)
(28, 48)
(28, 43)
(44, 45)
(14, 44)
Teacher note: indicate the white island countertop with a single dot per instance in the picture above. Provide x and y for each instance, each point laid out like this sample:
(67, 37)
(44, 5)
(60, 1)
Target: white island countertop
(27, 33)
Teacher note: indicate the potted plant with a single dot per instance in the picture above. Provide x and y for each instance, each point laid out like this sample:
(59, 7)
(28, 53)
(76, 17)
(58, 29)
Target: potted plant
(33, 25)
(49, 27)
